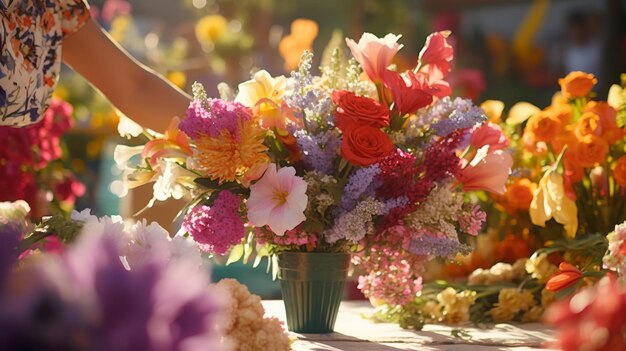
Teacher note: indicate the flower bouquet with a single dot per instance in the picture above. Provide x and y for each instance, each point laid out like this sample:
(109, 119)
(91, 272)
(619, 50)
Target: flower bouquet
(307, 169)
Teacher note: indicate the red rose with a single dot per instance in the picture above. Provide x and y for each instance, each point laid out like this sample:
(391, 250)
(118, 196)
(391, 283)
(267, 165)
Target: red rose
(363, 145)
(354, 109)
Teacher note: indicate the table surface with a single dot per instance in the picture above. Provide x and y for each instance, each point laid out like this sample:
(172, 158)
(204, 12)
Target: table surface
(353, 332)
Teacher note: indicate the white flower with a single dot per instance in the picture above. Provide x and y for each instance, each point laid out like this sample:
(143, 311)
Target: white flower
(184, 248)
(146, 241)
(126, 127)
(168, 182)
(123, 153)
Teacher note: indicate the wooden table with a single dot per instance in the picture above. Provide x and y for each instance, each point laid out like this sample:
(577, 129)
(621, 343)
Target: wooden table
(353, 332)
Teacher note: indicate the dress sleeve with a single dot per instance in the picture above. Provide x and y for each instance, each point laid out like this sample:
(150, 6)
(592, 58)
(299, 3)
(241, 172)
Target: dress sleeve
(74, 14)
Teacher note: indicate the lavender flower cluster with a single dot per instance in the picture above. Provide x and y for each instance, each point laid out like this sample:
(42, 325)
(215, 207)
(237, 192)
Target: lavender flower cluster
(320, 149)
(449, 115)
(427, 245)
(314, 103)
(359, 184)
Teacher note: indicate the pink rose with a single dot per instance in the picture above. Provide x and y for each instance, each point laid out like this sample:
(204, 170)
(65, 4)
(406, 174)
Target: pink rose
(374, 54)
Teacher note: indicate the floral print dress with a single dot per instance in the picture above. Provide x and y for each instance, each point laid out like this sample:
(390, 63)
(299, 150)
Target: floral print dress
(31, 32)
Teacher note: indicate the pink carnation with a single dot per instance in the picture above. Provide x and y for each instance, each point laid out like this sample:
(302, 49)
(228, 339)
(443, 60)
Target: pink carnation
(216, 228)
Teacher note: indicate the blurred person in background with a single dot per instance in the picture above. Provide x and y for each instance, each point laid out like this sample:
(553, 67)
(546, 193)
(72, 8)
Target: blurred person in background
(35, 36)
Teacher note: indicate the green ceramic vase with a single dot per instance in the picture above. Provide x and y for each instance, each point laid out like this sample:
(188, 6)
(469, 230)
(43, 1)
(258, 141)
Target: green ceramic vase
(312, 285)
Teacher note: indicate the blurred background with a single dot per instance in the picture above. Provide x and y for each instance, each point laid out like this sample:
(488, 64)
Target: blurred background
(510, 50)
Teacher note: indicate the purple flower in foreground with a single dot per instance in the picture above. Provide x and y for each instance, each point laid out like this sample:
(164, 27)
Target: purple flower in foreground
(10, 234)
(86, 300)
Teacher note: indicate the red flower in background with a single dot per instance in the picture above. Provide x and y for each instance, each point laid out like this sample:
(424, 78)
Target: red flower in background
(25, 151)
(436, 56)
(594, 319)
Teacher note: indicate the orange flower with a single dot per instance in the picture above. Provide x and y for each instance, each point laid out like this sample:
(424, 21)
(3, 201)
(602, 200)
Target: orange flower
(588, 124)
(588, 151)
(227, 158)
(568, 275)
(519, 194)
(512, 248)
(607, 121)
(619, 172)
(544, 126)
(577, 84)
(291, 47)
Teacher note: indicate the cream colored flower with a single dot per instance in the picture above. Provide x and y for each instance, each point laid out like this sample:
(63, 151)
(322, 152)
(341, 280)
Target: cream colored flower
(550, 201)
(447, 297)
(519, 269)
(540, 267)
(264, 94)
(478, 277)
(433, 310)
(502, 271)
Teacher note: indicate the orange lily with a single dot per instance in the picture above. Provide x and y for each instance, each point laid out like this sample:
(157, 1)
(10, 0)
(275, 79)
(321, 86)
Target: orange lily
(568, 275)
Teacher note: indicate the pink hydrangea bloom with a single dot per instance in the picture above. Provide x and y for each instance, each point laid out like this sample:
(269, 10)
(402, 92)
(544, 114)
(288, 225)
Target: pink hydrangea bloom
(218, 227)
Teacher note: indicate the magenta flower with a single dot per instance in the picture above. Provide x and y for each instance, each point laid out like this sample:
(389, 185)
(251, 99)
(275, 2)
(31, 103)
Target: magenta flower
(218, 227)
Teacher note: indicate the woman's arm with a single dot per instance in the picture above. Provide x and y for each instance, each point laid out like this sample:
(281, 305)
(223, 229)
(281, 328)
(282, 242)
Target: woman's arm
(133, 88)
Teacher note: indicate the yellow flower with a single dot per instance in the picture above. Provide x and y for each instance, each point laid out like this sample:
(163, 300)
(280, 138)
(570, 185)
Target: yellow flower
(211, 28)
(617, 96)
(551, 201)
(493, 109)
(540, 267)
(512, 299)
(500, 314)
(177, 78)
(447, 297)
(547, 297)
(432, 310)
(264, 94)
(228, 159)
(533, 315)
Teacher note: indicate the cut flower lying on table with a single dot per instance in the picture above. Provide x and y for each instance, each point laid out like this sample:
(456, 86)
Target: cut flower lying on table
(332, 163)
